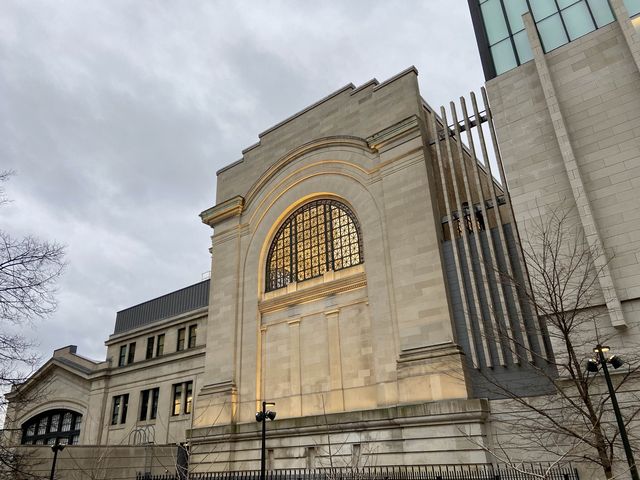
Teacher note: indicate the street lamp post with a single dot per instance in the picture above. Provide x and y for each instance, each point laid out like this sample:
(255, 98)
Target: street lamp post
(56, 447)
(616, 362)
(262, 416)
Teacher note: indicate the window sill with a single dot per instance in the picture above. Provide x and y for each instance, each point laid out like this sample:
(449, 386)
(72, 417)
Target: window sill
(181, 417)
(144, 423)
(298, 292)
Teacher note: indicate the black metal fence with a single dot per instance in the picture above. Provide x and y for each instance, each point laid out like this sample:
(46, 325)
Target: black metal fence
(418, 472)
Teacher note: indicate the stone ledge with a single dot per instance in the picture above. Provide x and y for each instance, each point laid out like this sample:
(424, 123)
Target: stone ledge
(443, 412)
(315, 292)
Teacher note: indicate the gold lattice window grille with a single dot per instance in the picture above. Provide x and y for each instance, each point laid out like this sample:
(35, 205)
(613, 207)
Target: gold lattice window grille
(320, 236)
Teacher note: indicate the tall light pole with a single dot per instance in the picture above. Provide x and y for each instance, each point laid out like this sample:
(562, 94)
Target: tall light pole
(600, 350)
(262, 416)
(56, 447)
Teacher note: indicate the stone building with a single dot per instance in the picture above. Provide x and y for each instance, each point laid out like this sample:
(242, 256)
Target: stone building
(355, 252)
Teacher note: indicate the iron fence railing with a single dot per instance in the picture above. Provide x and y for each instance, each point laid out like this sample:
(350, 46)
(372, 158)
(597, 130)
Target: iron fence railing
(416, 472)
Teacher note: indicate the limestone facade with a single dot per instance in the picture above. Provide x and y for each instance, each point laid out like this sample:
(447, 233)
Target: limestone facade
(378, 363)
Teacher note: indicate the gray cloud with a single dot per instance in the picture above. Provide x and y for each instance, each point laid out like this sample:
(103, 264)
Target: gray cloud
(117, 114)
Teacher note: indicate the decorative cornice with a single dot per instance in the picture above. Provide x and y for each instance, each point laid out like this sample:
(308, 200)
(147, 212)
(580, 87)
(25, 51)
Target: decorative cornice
(222, 211)
(378, 140)
(313, 293)
(227, 386)
(429, 351)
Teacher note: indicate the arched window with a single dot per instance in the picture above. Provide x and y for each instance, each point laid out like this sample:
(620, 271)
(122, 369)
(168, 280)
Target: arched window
(44, 429)
(319, 236)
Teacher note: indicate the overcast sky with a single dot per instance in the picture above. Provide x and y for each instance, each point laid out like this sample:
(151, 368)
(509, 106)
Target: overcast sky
(116, 115)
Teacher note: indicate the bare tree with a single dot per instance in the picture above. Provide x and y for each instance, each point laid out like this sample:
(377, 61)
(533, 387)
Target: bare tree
(575, 419)
(29, 268)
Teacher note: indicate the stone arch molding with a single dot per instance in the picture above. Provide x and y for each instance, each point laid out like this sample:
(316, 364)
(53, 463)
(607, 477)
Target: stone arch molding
(54, 404)
(344, 185)
(336, 149)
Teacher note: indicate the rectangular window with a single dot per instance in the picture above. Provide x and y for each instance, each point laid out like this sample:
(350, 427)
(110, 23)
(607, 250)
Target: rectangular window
(144, 404)
(132, 352)
(177, 399)
(149, 403)
(123, 356)
(160, 345)
(115, 410)
(150, 342)
(193, 333)
(188, 397)
(181, 336)
(155, 396)
(182, 398)
(118, 411)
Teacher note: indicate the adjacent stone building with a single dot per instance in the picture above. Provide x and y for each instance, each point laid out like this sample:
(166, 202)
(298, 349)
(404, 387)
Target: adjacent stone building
(357, 256)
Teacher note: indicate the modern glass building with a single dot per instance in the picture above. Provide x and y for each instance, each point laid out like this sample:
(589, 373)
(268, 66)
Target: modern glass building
(502, 38)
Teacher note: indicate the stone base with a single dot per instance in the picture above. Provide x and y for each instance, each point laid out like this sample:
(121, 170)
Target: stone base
(442, 432)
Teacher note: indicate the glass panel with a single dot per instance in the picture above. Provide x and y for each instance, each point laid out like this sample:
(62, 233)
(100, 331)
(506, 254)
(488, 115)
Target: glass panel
(494, 22)
(42, 426)
(602, 12)
(31, 430)
(515, 9)
(150, 342)
(542, 8)
(552, 33)
(125, 406)
(177, 399)
(155, 395)
(633, 7)
(523, 47)
(578, 20)
(566, 3)
(189, 395)
(66, 422)
(78, 422)
(160, 347)
(55, 422)
(503, 56)
(76, 439)
(144, 404)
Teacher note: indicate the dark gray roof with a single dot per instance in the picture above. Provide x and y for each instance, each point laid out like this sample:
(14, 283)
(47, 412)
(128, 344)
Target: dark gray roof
(169, 305)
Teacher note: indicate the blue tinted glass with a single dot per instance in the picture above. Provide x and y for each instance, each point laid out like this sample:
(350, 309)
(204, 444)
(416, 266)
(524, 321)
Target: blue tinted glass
(565, 3)
(542, 8)
(494, 22)
(515, 9)
(522, 46)
(552, 33)
(633, 7)
(601, 11)
(577, 20)
(503, 56)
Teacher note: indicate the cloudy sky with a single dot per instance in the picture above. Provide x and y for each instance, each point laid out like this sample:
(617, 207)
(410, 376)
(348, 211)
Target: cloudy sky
(116, 115)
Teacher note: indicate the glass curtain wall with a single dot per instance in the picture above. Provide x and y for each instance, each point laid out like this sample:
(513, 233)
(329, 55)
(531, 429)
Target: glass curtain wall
(558, 22)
